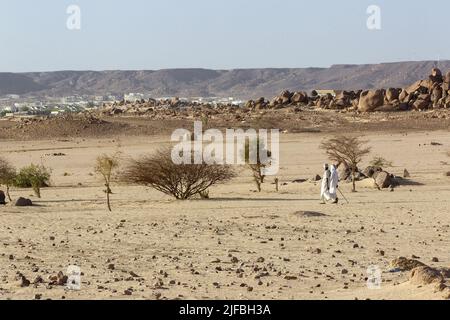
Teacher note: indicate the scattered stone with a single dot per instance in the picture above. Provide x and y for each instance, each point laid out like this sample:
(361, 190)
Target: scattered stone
(406, 174)
(23, 202)
(24, 282)
(2, 198)
(59, 280)
(38, 280)
(128, 292)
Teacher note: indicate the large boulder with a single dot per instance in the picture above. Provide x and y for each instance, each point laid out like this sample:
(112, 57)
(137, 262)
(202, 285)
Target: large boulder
(425, 275)
(392, 94)
(421, 86)
(436, 76)
(370, 100)
(404, 96)
(436, 94)
(405, 264)
(422, 104)
(22, 202)
(341, 103)
(260, 104)
(299, 97)
(447, 77)
(447, 101)
(2, 198)
(285, 97)
(249, 104)
(445, 88)
(325, 101)
(382, 179)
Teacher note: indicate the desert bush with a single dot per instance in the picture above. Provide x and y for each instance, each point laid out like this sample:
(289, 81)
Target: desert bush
(105, 165)
(348, 150)
(33, 176)
(253, 151)
(182, 181)
(380, 162)
(7, 175)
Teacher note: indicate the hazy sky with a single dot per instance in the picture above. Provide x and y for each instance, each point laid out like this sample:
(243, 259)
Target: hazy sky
(219, 34)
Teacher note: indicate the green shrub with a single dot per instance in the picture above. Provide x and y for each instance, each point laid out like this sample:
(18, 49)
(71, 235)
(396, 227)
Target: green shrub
(33, 176)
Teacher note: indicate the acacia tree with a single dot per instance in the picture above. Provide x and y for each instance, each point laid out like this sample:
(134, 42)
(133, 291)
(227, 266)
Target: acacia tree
(252, 156)
(348, 150)
(182, 181)
(105, 166)
(7, 175)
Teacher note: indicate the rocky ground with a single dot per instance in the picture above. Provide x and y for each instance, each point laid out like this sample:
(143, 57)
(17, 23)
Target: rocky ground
(240, 244)
(288, 120)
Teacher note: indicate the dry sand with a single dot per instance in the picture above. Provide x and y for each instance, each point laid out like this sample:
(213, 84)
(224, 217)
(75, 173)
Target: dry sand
(238, 245)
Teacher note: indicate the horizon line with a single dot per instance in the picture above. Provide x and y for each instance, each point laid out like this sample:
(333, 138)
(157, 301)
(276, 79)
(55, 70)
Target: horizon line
(224, 69)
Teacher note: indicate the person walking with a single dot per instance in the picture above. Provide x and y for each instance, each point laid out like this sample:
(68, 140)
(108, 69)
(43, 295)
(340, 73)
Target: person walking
(333, 184)
(324, 191)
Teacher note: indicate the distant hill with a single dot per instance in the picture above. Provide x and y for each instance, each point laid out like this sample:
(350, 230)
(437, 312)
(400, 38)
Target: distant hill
(240, 83)
(13, 83)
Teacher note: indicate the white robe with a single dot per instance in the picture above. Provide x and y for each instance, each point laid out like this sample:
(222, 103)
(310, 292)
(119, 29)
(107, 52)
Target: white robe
(325, 181)
(334, 180)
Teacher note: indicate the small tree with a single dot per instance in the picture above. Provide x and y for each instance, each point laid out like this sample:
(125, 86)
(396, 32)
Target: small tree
(35, 177)
(7, 175)
(182, 181)
(105, 166)
(380, 162)
(253, 151)
(348, 150)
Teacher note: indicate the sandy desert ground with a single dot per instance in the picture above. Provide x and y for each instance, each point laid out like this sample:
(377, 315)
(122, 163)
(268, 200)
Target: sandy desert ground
(239, 244)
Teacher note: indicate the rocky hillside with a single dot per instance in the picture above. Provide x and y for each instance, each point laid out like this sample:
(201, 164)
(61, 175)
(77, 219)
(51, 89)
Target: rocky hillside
(240, 83)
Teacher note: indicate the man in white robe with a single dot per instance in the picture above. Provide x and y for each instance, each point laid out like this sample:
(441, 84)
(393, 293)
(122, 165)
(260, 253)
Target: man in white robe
(333, 184)
(324, 190)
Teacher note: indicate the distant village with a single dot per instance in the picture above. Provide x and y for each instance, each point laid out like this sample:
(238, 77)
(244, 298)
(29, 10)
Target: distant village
(16, 106)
